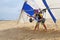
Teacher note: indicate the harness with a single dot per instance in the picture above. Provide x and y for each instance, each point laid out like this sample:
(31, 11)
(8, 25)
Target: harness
(38, 17)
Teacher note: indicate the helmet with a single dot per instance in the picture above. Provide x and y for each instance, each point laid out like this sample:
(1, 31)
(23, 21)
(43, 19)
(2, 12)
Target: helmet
(36, 11)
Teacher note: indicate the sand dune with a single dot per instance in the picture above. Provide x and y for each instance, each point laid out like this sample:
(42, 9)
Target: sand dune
(9, 30)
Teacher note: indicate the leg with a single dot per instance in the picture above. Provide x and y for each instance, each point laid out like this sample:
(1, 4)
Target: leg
(43, 22)
(37, 26)
(45, 26)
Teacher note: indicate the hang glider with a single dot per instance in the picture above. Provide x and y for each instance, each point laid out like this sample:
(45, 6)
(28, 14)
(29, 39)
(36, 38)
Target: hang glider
(29, 10)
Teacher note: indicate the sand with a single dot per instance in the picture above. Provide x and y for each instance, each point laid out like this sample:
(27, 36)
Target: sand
(9, 30)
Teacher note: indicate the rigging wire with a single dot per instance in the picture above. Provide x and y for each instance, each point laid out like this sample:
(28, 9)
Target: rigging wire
(52, 8)
(45, 8)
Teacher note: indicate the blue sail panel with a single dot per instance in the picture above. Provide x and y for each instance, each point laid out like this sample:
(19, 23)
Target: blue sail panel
(28, 9)
(46, 5)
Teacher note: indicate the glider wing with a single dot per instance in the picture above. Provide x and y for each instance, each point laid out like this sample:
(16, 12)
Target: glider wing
(28, 9)
(46, 5)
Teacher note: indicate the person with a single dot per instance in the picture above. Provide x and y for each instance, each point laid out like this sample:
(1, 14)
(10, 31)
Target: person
(39, 18)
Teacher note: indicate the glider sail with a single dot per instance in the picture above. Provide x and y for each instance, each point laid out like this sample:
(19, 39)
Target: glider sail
(28, 9)
(46, 5)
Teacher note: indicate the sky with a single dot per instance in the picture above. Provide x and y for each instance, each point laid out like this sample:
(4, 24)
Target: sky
(10, 9)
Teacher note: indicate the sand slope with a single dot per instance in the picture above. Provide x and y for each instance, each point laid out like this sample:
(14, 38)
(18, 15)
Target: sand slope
(9, 30)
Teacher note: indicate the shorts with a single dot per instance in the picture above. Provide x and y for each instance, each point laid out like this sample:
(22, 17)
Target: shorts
(42, 20)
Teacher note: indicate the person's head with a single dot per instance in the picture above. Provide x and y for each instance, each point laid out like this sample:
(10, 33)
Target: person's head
(39, 10)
